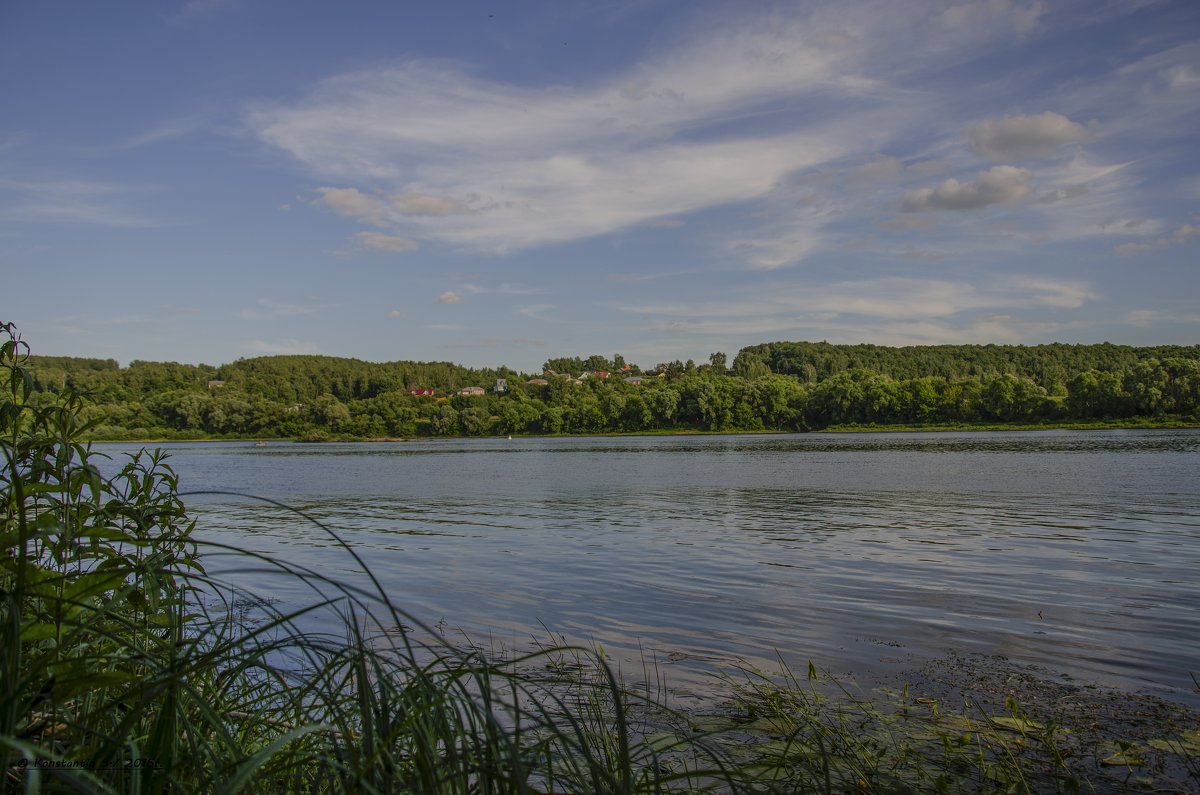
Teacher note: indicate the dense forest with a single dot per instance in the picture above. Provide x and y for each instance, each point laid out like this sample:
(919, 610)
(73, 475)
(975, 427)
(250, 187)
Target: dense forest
(780, 386)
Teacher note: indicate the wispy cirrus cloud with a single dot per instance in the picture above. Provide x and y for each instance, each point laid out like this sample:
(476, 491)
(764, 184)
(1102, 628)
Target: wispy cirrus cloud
(535, 311)
(72, 201)
(1181, 235)
(733, 115)
(432, 151)
(943, 307)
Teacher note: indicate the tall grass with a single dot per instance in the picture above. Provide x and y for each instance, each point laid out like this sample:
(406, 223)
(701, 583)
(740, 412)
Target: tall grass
(126, 667)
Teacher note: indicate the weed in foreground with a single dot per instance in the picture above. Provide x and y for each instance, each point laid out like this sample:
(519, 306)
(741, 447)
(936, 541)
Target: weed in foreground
(126, 667)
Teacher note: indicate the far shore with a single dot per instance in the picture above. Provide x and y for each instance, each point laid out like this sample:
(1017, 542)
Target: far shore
(840, 429)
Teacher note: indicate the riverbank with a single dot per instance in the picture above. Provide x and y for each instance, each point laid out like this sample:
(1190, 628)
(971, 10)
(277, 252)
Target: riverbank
(961, 722)
(1097, 425)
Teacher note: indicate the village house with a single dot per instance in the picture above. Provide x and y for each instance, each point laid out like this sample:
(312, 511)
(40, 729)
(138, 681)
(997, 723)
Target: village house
(472, 391)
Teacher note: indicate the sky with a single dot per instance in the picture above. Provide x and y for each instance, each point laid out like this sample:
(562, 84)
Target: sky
(501, 183)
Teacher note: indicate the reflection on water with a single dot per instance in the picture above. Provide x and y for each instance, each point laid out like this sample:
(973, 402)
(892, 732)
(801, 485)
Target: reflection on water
(1076, 550)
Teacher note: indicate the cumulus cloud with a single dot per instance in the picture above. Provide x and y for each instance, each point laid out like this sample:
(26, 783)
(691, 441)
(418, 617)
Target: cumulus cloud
(448, 297)
(353, 203)
(423, 204)
(997, 185)
(377, 241)
(1021, 137)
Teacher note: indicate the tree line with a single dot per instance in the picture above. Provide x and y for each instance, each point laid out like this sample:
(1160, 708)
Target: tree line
(780, 386)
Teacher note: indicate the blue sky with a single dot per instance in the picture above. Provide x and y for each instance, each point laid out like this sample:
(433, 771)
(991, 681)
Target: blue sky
(501, 183)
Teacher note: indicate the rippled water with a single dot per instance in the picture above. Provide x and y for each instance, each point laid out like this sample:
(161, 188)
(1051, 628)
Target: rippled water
(1079, 551)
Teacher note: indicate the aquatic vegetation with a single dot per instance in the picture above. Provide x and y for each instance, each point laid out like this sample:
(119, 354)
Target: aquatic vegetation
(125, 666)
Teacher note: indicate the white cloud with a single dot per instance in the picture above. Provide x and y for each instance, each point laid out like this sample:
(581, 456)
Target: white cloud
(1021, 137)
(353, 203)
(992, 15)
(776, 246)
(71, 201)
(897, 298)
(1181, 76)
(376, 241)
(891, 311)
(488, 166)
(1056, 292)
(928, 167)
(421, 204)
(880, 167)
(1180, 236)
(448, 297)
(731, 115)
(1145, 318)
(998, 185)
(536, 311)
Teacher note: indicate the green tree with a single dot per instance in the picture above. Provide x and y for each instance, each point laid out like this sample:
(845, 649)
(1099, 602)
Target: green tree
(750, 366)
(327, 411)
(444, 422)
(475, 421)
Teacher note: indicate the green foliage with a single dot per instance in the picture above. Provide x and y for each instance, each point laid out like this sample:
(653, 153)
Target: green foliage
(125, 667)
(783, 386)
(117, 675)
(94, 590)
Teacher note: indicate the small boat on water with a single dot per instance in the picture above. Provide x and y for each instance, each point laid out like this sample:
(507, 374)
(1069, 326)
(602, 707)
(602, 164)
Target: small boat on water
(260, 443)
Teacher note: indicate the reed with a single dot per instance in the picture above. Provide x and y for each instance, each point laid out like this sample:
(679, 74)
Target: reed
(125, 666)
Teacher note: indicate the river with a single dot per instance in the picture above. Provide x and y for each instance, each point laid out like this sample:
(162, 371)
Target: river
(1074, 550)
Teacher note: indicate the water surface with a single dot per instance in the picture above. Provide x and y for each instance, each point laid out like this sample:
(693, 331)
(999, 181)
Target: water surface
(1076, 550)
